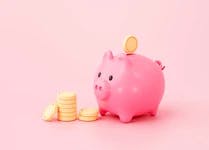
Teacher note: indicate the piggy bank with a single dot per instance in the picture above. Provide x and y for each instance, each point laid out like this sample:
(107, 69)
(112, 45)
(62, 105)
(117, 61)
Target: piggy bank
(128, 85)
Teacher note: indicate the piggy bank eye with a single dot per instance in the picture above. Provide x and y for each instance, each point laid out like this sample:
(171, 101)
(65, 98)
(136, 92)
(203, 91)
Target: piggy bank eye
(110, 77)
(99, 74)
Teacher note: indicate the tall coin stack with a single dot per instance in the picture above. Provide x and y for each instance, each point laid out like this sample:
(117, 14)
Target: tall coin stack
(67, 110)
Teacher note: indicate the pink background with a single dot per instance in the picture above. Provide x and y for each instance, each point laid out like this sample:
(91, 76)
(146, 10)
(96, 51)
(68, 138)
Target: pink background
(47, 46)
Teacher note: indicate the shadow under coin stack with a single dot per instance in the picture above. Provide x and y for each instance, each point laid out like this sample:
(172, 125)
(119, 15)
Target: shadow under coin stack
(67, 110)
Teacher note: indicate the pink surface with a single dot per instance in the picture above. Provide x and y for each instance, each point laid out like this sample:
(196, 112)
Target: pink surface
(43, 49)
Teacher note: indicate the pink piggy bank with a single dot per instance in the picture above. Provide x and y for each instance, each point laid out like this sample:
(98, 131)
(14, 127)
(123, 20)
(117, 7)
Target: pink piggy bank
(128, 85)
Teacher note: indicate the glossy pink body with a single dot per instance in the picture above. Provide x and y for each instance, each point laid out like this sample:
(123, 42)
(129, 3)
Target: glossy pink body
(128, 85)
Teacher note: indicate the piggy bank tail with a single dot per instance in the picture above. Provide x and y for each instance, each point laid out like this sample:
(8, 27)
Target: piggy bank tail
(160, 64)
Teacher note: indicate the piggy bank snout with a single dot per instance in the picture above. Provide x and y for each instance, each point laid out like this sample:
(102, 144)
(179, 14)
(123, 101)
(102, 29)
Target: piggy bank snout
(98, 87)
(102, 90)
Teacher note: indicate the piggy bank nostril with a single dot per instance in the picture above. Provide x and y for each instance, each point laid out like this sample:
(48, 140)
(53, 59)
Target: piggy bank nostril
(100, 88)
(95, 86)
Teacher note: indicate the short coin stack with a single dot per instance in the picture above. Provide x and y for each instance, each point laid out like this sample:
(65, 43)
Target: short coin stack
(67, 110)
(88, 114)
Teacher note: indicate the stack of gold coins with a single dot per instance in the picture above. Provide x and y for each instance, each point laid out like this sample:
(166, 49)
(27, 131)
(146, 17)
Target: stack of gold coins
(67, 110)
(88, 114)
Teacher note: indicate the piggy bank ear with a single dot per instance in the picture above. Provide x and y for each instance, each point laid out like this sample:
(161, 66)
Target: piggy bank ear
(123, 58)
(108, 55)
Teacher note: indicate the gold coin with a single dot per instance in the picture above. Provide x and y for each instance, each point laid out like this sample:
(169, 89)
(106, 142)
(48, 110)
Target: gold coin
(69, 99)
(49, 112)
(130, 44)
(67, 114)
(66, 102)
(60, 118)
(88, 112)
(66, 106)
(85, 118)
(67, 110)
(67, 95)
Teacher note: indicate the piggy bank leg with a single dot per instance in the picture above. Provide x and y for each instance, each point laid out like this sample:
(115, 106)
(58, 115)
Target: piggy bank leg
(153, 112)
(125, 118)
(102, 111)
